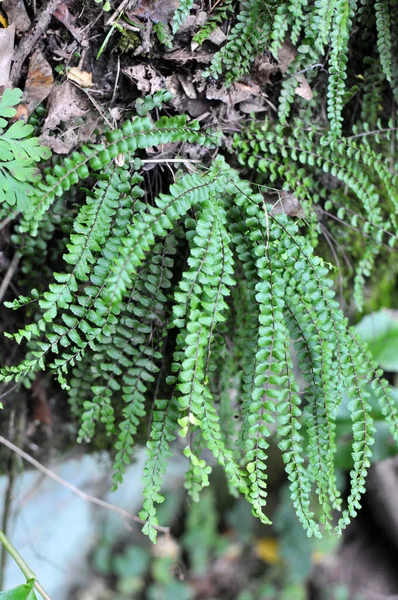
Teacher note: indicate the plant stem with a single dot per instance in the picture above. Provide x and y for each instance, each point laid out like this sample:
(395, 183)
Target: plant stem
(26, 570)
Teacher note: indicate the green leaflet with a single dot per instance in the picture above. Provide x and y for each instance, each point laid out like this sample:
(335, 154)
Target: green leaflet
(19, 153)
(22, 592)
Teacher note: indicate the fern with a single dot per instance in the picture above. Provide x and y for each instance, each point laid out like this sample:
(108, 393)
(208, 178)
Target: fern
(161, 301)
(248, 37)
(182, 12)
(219, 14)
(384, 42)
(19, 154)
(340, 33)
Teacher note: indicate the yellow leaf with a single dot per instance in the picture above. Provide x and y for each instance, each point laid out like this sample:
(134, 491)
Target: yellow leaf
(82, 78)
(268, 550)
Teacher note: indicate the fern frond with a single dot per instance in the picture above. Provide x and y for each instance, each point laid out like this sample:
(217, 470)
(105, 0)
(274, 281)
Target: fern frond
(220, 14)
(338, 58)
(182, 12)
(247, 38)
(384, 42)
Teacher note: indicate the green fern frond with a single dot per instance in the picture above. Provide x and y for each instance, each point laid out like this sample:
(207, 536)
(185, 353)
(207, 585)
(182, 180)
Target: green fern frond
(182, 12)
(338, 58)
(247, 38)
(219, 14)
(384, 42)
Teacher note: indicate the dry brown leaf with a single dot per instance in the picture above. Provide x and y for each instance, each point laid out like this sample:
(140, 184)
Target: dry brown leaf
(6, 52)
(154, 10)
(237, 92)
(39, 82)
(145, 78)
(17, 15)
(287, 204)
(67, 107)
(286, 55)
(82, 78)
(63, 15)
(303, 90)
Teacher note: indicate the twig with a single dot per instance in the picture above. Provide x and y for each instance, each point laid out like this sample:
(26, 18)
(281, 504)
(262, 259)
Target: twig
(75, 490)
(8, 219)
(9, 275)
(12, 472)
(374, 132)
(40, 25)
(117, 12)
(26, 570)
(170, 160)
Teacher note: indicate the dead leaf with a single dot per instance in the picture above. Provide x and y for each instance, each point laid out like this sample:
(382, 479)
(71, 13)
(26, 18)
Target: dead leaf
(63, 15)
(185, 55)
(286, 55)
(268, 549)
(154, 10)
(287, 204)
(17, 15)
(145, 78)
(82, 78)
(39, 82)
(7, 37)
(67, 108)
(188, 86)
(303, 90)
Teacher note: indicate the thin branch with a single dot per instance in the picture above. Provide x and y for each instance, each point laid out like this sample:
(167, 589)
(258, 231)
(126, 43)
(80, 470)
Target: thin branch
(27, 43)
(78, 492)
(9, 275)
(8, 219)
(374, 132)
(186, 161)
(117, 12)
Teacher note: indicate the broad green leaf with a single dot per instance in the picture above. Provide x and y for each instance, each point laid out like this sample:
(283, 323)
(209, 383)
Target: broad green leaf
(380, 331)
(22, 592)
